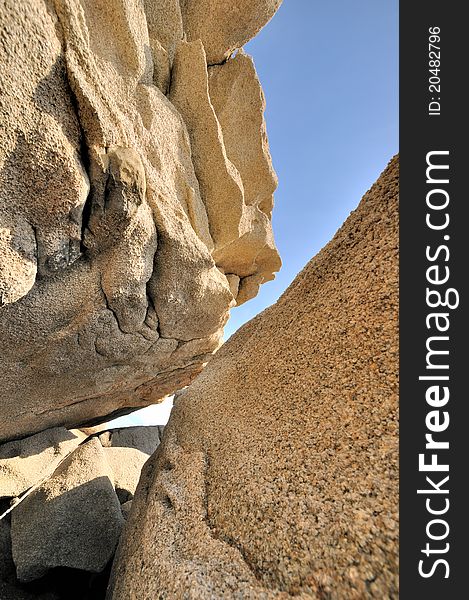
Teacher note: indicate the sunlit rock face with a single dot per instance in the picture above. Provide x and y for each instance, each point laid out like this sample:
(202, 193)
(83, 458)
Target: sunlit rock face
(277, 475)
(135, 200)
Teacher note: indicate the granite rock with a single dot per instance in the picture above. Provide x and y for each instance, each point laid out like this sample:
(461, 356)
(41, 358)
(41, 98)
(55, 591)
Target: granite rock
(258, 489)
(126, 465)
(72, 520)
(113, 290)
(225, 26)
(27, 461)
(143, 438)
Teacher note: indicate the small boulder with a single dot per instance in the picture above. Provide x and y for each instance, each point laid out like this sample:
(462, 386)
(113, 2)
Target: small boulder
(72, 520)
(145, 439)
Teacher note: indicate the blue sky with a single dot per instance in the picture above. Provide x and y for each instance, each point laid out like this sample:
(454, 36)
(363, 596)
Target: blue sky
(330, 76)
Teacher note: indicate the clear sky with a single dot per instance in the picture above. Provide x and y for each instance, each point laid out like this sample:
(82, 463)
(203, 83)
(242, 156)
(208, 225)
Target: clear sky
(329, 70)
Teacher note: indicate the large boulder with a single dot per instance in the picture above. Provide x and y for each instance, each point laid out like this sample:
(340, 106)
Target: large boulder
(113, 290)
(277, 476)
(72, 520)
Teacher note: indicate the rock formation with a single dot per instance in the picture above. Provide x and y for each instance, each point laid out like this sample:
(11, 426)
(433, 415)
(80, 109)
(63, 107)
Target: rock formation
(222, 26)
(73, 503)
(135, 199)
(277, 476)
(71, 520)
(25, 462)
(136, 196)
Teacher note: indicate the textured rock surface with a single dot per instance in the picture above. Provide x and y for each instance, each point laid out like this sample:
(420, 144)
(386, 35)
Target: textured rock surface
(143, 438)
(120, 253)
(258, 489)
(25, 462)
(66, 528)
(72, 520)
(126, 465)
(219, 132)
(245, 141)
(225, 26)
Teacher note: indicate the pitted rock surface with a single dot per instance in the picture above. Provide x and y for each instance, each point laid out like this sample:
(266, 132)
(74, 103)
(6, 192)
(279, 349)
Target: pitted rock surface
(277, 475)
(125, 236)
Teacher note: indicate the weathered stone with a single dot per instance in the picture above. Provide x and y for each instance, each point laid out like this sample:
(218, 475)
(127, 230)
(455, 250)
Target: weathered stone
(161, 66)
(164, 24)
(72, 520)
(243, 236)
(217, 176)
(25, 462)
(225, 26)
(258, 488)
(126, 465)
(238, 100)
(112, 291)
(43, 183)
(143, 438)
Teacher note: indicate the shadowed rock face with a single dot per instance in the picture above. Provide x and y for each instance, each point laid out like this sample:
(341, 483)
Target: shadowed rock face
(126, 234)
(73, 519)
(60, 534)
(277, 475)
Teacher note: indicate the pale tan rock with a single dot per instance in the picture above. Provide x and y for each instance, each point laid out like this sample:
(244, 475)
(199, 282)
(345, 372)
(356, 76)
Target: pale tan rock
(225, 26)
(39, 153)
(258, 488)
(111, 287)
(248, 288)
(27, 461)
(126, 465)
(72, 520)
(219, 180)
(143, 438)
(253, 255)
(18, 251)
(161, 66)
(164, 21)
(243, 234)
(233, 281)
(238, 100)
